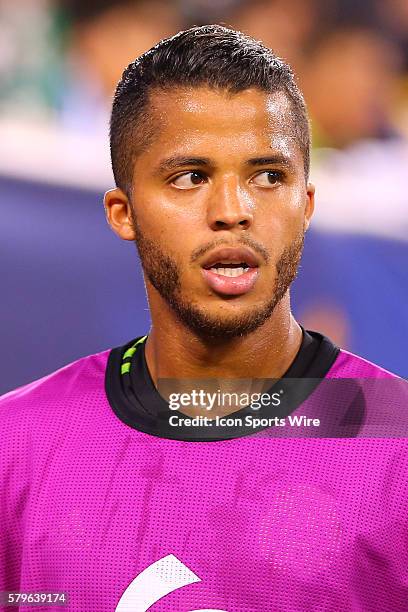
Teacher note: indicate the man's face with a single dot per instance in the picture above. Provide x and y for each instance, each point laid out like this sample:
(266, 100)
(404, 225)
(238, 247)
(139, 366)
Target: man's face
(219, 207)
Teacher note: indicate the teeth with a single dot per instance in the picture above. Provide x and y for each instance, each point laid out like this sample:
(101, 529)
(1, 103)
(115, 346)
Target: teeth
(230, 271)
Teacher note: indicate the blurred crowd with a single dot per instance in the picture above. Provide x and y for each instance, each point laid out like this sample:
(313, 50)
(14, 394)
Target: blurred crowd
(61, 59)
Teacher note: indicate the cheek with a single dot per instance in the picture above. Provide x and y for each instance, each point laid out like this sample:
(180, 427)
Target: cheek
(172, 228)
(171, 210)
(280, 216)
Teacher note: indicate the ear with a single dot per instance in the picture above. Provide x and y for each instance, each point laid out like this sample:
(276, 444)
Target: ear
(310, 203)
(119, 213)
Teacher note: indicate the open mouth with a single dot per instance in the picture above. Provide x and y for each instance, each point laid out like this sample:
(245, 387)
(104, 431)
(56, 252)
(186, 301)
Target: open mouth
(231, 270)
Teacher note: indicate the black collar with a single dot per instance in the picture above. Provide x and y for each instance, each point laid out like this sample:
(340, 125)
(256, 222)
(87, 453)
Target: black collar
(135, 400)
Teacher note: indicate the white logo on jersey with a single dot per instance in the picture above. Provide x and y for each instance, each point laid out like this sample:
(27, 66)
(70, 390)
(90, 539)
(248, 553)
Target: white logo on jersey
(157, 580)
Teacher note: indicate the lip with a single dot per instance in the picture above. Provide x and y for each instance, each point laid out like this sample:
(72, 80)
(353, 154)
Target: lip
(231, 255)
(231, 285)
(228, 285)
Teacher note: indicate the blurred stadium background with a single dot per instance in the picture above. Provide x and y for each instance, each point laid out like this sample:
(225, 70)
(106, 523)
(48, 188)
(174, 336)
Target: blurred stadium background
(70, 287)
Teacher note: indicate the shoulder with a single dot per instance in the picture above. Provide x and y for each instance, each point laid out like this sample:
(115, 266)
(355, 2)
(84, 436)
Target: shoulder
(349, 365)
(376, 399)
(68, 384)
(41, 419)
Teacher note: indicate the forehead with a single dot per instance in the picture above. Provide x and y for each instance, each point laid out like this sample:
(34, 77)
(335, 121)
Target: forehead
(202, 117)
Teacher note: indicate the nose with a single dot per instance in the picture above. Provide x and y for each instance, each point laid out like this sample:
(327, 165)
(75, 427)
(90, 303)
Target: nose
(229, 206)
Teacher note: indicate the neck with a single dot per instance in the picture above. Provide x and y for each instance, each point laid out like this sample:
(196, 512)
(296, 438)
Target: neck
(174, 351)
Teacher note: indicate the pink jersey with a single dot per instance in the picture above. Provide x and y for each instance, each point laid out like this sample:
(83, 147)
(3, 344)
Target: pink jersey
(121, 520)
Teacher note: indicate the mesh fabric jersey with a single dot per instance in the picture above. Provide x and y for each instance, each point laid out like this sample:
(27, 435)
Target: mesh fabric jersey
(120, 519)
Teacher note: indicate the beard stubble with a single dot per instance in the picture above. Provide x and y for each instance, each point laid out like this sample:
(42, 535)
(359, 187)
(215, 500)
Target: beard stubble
(164, 274)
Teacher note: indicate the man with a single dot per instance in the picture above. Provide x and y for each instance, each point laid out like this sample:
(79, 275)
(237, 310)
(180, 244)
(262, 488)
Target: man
(126, 500)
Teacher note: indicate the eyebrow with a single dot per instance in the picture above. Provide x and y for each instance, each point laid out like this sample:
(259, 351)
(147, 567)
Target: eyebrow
(171, 163)
(175, 162)
(272, 160)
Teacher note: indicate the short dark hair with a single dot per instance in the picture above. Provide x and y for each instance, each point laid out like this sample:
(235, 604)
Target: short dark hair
(209, 55)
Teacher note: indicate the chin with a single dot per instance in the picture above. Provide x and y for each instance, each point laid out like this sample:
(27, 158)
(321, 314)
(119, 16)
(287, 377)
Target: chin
(220, 324)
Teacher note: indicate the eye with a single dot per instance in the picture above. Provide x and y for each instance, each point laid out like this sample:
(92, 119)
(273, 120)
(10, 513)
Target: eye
(268, 178)
(189, 180)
